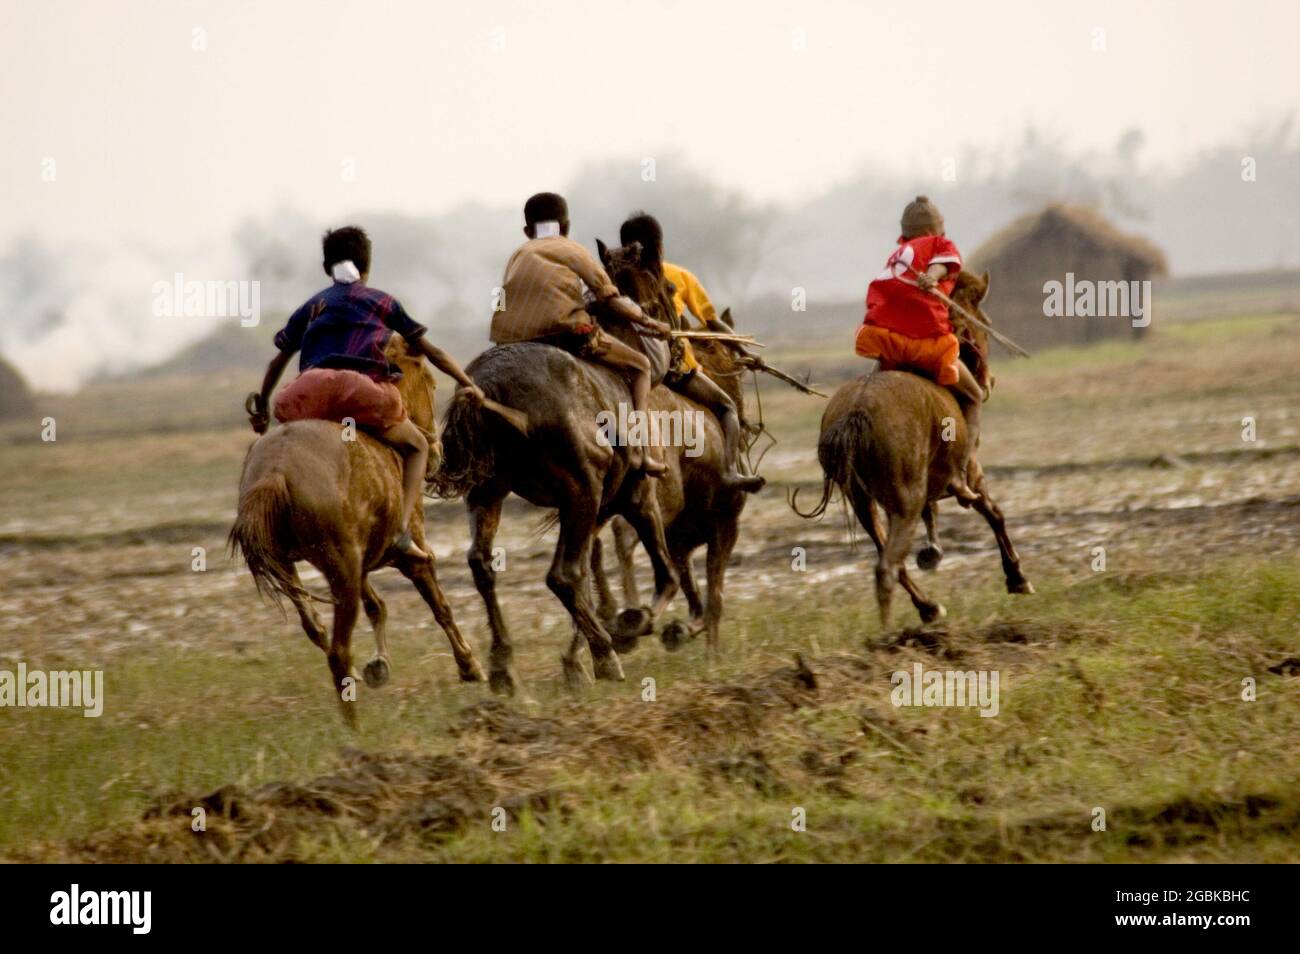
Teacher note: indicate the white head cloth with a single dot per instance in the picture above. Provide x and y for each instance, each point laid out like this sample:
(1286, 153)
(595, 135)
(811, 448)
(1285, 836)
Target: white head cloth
(345, 272)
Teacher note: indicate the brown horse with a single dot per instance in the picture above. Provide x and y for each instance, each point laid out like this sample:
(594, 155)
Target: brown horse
(332, 495)
(561, 462)
(697, 509)
(896, 439)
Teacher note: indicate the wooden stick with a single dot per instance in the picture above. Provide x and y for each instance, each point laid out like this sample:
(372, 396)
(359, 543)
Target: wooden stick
(718, 336)
(992, 332)
(758, 364)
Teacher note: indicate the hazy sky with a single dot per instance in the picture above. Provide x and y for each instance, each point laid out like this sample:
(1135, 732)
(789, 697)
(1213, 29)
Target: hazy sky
(437, 103)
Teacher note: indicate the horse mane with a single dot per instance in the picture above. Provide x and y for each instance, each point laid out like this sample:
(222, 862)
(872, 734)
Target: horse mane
(417, 384)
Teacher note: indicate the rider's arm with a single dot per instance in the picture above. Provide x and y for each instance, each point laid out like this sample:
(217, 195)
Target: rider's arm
(448, 366)
(934, 275)
(287, 342)
(625, 307)
(273, 372)
(697, 299)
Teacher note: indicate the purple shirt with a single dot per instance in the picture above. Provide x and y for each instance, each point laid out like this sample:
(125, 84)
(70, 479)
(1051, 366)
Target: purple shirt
(346, 326)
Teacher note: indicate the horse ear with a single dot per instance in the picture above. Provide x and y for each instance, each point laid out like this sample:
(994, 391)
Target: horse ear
(602, 251)
(726, 318)
(637, 252)
(986, 285)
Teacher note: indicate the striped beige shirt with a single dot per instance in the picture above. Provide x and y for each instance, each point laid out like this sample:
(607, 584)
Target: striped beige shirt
(544, 289)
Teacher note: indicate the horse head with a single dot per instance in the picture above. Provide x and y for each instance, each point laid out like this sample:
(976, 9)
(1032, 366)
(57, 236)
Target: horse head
(639, 276)
(970, 292)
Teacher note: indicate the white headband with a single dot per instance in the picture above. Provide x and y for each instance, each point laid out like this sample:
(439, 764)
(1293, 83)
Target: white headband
(547, 229)
(345, 272)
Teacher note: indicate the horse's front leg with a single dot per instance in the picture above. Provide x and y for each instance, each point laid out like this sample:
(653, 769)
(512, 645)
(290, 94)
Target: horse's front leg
(569, 580)
(1016, 581)
(643, 514)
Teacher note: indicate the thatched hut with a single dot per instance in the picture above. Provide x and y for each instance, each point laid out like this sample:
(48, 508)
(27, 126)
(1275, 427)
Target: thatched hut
(15, 397)
(1086, 257)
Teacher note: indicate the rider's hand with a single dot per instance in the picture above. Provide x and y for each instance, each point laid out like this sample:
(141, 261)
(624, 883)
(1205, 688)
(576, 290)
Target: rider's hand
(476, 395)
(662, 329)
(257, 416)
(926, 281)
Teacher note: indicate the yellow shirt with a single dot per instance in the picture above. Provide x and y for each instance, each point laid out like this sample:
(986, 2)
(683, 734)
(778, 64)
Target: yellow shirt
(689, 296)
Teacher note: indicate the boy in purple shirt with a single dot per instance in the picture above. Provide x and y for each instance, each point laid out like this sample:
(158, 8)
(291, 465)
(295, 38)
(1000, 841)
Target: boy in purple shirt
(341, 333)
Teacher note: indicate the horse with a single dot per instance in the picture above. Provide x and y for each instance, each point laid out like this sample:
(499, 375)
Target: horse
(896, 439)
(559, 461)
(331, 495)
(697, 509)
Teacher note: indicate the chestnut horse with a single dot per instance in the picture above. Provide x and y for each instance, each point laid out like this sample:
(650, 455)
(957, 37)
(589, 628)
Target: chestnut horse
(332, 495)
(896, 439)
(697, 509)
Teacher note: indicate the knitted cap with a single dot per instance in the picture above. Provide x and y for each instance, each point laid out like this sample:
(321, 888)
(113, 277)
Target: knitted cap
(921, 216)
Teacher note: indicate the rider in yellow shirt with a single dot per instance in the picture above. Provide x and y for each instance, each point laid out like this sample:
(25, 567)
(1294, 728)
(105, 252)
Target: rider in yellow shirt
(686, 376)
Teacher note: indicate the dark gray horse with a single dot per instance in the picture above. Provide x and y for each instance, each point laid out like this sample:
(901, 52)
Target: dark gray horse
(558, 462)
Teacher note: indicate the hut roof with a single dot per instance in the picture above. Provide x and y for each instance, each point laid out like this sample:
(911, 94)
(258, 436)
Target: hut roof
(1083, 225)
(15, 397)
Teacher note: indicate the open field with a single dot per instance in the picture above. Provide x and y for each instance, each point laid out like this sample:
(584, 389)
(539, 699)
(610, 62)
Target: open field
(1121, 689)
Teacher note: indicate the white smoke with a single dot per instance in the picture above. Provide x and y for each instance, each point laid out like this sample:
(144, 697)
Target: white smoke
(88, 310)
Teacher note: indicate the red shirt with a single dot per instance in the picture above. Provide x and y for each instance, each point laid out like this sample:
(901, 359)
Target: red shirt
(895, 302)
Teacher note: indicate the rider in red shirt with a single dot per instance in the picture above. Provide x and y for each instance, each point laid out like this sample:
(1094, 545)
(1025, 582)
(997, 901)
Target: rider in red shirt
(907, 328)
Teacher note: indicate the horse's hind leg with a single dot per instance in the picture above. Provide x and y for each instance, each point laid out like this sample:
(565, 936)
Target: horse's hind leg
(377, 671)
(311, 621)
(484, 505)
(929, 556)
(927, 608)
(1016, 582)
(345, 579)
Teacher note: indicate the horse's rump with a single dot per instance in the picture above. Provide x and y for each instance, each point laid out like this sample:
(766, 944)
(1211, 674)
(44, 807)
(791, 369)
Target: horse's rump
(562, 395)
(305, 490)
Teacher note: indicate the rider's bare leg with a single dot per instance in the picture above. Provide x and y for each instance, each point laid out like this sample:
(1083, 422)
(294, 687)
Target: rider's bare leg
(627, 360)
(410, 442)
(700, 387)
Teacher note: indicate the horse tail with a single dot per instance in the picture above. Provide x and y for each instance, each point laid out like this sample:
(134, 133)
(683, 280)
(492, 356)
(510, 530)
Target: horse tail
(467, 456)
(838, 449)
(260, 522)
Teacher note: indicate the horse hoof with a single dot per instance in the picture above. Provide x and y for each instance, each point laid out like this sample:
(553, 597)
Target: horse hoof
(1020, 585)
(930, 613)
(674, 634)
(631, 624)
(575, 677)
(472, 672)
(608, 667)
(502, 682)
(377, 672)
(928, 558)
